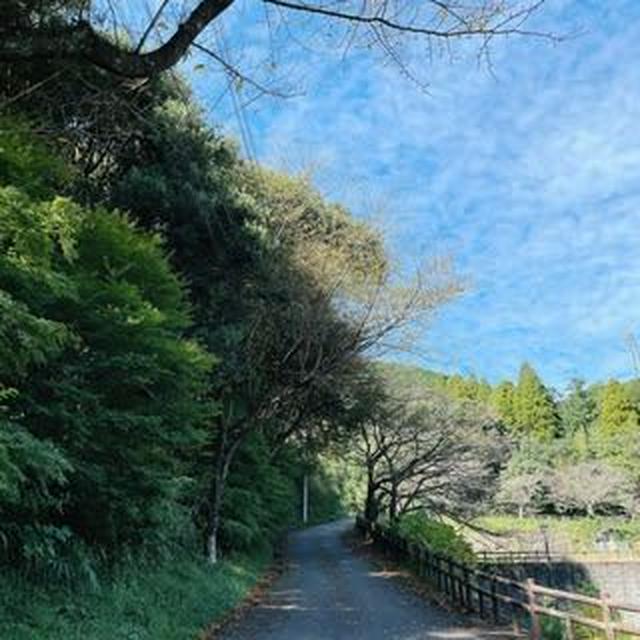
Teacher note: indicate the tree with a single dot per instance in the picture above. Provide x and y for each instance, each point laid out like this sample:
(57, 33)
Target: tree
(534, 409)
(617, 427)
(468, 389)
(591, 486)
(578, 413)
(424, 452)
(100, 389)
(76, 31)
(521, 490)
(502, 399)
(524, 482)
(318, 314)
(616, 413)
(289, 292)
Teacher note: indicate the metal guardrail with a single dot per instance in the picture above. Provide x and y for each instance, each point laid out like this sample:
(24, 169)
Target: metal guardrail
(502, 599)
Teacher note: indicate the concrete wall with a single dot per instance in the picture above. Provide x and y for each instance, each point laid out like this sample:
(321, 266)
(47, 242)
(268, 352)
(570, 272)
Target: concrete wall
(621, 580)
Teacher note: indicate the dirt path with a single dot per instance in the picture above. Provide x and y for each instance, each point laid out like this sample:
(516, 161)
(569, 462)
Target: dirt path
(329, 593)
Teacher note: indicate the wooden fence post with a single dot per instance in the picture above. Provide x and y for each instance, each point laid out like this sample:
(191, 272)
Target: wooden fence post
(452, 581)
(494, 600)
(568, 628)
(536, 631)
(467, 589)
(515, 620)
(609, 632)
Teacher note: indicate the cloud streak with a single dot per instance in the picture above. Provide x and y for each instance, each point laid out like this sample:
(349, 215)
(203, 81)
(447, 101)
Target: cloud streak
(531, 180)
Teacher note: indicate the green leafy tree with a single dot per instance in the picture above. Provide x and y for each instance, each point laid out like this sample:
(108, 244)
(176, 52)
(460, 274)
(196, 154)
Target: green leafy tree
(502, 399)
(616, 436)
(465, 388)
(100, 390)
(616, 412)
(535, 412)
(577, 415)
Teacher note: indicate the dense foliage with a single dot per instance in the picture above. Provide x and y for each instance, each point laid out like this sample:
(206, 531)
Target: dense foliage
(438, 536)
(184, 335)
(97, 376)
(575, 453)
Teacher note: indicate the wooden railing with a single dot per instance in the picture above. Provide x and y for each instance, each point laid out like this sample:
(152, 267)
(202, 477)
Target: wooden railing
(538, 557)
(515, 557)
(504, 600)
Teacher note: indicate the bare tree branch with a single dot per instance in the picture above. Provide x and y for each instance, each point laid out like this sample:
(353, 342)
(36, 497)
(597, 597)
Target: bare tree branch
(80, 41)
(26, 38)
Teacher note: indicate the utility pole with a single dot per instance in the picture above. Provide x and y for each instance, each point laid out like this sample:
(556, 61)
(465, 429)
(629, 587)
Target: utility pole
(305, 498)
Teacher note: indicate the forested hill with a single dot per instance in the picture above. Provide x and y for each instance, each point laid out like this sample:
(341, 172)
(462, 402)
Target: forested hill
(558, 441)
(184, 337)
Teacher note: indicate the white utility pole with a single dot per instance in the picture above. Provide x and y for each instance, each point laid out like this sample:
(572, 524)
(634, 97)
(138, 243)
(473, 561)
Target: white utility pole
(305, 498)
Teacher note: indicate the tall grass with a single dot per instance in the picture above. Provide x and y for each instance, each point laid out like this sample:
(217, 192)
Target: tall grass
(165, 600)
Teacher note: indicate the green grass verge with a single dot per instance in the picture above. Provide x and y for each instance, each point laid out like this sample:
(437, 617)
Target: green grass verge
(174, 600)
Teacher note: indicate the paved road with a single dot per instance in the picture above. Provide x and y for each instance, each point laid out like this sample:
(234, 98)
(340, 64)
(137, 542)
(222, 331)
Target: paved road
(328, 593)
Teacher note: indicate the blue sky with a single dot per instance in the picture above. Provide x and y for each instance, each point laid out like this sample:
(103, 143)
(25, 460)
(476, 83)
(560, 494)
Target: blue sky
(529, 177)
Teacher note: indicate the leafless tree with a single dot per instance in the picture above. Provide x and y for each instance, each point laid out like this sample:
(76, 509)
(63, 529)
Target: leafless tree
(521, 490)
(428, 453)
(88, 31)
(592, 485)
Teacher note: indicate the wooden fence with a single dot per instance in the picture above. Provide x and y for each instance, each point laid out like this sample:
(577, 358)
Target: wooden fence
(504, 600)
(517, 557)
(541, 557)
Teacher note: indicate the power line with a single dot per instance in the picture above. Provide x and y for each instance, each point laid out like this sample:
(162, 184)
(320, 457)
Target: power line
(239, 111)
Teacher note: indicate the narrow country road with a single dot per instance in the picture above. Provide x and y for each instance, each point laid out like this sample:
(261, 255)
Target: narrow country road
(328, 593)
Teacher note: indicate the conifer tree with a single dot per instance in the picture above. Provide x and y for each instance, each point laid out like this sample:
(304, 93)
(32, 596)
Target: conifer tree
(618, 428)
(577, 414)
(616, 411)
(502, 400)
(534, 409)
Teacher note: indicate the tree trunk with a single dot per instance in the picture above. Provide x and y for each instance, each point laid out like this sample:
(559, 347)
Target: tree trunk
(521, 511)
(371, 508)
(223, 462)
(216, 509)
(81, 42)
(393, 503)
(212, 542)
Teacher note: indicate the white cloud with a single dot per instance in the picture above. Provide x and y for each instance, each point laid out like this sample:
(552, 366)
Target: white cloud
(532, 180)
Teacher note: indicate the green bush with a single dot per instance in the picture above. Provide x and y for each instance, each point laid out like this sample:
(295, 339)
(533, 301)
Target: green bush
(26, 160)
(100, 391)
(438, 536)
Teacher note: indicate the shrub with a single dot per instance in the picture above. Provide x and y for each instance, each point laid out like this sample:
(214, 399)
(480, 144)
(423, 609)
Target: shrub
(438, 536)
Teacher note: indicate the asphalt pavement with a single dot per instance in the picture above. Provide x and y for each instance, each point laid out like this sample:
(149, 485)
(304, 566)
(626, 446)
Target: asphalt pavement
(330, 593)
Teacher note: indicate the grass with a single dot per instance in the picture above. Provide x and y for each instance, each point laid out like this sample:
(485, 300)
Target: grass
(173, 600)
(581, 532)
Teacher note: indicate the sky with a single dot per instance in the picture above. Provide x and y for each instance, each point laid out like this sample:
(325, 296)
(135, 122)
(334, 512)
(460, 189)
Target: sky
(527, 174)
